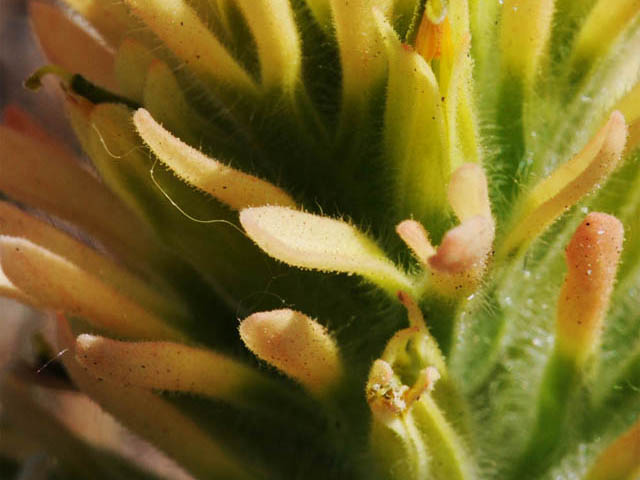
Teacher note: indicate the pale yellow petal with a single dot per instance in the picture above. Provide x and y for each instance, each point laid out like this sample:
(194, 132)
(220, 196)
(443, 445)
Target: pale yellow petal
(525, 29)
(232, 187)
(295, 344)
(469, 193)
(569, 183)
(16, 223)
(167, 366)
(274, 30)
(59, 284)
(177, 24)
(321, 243)
(155, 419)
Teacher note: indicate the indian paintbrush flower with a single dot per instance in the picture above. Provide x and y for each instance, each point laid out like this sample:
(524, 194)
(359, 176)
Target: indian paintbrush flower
(346, 239)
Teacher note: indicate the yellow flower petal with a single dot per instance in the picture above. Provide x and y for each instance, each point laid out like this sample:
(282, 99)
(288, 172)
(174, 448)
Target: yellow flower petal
(59, 284)
(525, 29)
(276, 36)
(321, 243)
(178, 25)
(232, 187)
(155, 419)
(167, 366)
(295, 344)
(569, 183)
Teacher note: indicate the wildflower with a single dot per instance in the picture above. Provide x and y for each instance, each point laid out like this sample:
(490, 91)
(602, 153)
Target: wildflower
(337, 239)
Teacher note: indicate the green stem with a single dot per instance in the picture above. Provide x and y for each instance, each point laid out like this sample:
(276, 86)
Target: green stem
(561, 377)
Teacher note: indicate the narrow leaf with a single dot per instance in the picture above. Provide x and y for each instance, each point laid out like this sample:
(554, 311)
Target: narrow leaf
(16, 223)
(603, 24)
(72, 193)
(360, 45)
(131, 64)
(111, 19)
(321, 10)
(9, 290)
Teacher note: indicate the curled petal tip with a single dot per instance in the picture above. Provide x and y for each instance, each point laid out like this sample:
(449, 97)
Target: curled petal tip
(465, 246)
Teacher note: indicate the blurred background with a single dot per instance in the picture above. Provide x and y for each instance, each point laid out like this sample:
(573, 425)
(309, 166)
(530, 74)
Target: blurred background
(27, 341)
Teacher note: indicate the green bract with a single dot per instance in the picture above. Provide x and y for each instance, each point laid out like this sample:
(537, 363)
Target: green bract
(336, 239)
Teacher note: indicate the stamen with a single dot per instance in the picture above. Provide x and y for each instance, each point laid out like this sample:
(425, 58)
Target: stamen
(385, 394)
(295, 344)
(592, 260)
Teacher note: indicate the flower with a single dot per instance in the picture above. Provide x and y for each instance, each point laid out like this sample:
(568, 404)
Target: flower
(423, 213)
